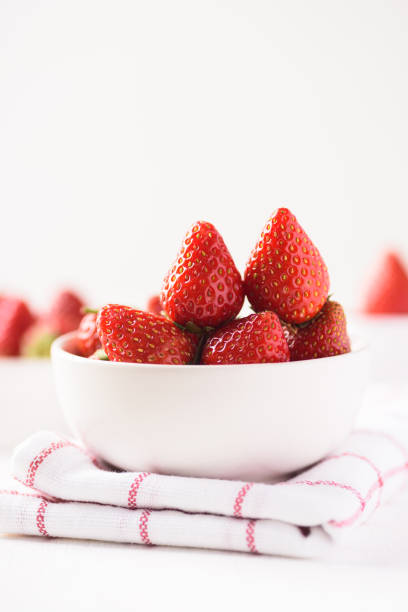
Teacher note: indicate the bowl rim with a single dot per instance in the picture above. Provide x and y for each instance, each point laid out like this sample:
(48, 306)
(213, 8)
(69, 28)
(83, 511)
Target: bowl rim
(358, 345)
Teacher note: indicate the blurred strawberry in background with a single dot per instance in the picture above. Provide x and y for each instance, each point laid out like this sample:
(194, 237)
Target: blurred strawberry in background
(37, 340)
(65, 313)
(29, 335)
(154, 305)
(388, 291)
(15, 319)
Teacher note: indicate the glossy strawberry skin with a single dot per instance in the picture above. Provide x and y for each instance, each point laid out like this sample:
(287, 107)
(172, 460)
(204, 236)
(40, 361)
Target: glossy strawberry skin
(65, 313)
(15, 319)
(154, 305)
(135, 336)
(285, 272)
(289, 331)
(324, 336)
(388, 293)
(258, 338)
(87, 335)
(203, 286)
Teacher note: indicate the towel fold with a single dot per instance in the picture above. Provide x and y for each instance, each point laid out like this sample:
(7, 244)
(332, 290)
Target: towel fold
(62, 491)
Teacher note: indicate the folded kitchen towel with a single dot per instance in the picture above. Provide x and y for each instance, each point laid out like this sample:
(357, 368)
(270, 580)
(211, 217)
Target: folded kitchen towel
(61, 491)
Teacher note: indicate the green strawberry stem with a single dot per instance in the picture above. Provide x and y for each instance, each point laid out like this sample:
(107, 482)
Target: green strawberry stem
(193, 328)
(87, 310)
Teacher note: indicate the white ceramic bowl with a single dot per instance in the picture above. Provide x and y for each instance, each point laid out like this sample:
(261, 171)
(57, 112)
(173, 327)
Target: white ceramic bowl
(250, 422)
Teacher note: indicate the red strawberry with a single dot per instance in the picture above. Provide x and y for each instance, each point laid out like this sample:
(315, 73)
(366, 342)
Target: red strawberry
(141, 337)
(65, 313)
(324, 336)
(203, 286)
(15, 319)
(389, 290)
(289, 331)
(285, 272)
(258, 338)
(87, 335)
(154, 305)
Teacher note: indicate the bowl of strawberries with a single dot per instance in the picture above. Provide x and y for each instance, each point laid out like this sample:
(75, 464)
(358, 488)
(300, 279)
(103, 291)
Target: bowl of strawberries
(188, 387)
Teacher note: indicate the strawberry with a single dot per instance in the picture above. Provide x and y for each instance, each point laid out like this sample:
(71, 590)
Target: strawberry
(65, 313)
(289, 331)
(132, 335)
(87, 335)
(285, 272)
(324, 336)
(258, 338)
(37, 341)
(203, 286)
(388, 293)
(154, 305)
(15, 319)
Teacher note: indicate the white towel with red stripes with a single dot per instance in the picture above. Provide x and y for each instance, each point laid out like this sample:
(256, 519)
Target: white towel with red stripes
(60, 490)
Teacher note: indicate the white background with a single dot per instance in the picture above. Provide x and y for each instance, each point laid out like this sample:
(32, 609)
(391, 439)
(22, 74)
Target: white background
(122, 122)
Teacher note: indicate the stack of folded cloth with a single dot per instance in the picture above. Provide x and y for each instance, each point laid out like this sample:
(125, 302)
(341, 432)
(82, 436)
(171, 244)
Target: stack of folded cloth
(60, 490)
